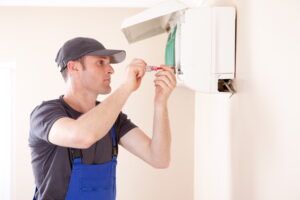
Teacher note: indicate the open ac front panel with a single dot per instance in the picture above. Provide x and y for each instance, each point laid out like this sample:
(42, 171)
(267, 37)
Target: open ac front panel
(205, 49)
(204, 46)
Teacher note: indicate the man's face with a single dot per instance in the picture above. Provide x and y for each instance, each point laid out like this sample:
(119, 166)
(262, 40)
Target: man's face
(96, 74)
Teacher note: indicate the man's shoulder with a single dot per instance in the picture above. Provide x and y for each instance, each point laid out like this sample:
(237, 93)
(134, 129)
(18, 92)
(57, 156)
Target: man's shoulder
(48, 104)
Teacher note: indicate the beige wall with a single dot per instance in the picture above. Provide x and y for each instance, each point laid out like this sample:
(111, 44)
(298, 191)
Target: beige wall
(32, 36)
(260, 125)
(265, 112)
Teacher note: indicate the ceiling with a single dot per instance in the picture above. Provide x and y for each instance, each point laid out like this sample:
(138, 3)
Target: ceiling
(85, 3)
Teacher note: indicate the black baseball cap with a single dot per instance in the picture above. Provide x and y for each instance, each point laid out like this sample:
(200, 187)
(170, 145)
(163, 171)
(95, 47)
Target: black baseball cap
(77, 47)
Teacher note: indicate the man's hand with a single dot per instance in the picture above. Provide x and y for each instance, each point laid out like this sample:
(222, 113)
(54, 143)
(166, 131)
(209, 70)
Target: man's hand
(135, 73)
(165, 82)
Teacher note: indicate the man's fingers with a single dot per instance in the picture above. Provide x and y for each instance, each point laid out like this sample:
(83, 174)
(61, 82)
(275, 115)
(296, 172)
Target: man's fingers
(170, 75)
(141, 72)
(162, 84)
(167, 68)
(139, 61)
(138, 67)
(165, 80)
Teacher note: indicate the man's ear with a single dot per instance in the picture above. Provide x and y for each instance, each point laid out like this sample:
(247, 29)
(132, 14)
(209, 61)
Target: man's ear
(71, 66)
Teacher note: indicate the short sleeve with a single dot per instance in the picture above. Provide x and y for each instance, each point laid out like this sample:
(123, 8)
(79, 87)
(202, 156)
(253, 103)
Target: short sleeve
(41, 120)
(124, 125)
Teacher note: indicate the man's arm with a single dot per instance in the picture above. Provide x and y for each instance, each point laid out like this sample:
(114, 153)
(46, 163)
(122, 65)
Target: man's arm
(95, 124)
(155, 151)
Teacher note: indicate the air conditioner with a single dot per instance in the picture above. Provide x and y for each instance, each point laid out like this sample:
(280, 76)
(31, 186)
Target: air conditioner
(204, 58)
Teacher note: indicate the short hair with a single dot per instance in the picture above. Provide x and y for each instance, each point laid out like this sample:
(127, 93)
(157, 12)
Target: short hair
(64, 72)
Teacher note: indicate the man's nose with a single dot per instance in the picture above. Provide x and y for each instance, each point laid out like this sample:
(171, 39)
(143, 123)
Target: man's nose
(110, 69)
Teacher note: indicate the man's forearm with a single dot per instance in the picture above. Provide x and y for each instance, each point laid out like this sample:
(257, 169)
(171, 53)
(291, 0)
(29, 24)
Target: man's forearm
(100, 119)
(161, 139)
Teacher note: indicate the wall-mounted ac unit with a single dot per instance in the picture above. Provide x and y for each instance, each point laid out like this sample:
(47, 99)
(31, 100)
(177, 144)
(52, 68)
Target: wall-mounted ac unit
(204, 44)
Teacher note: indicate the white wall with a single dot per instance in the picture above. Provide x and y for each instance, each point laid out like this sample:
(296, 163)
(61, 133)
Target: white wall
(212, 144)
(32, 36)
(262, 129)
(265, 112)
(7, 81)
(212, 147)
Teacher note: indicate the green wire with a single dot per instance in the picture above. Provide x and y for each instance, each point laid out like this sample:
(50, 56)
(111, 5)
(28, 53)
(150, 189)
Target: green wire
(170, 48)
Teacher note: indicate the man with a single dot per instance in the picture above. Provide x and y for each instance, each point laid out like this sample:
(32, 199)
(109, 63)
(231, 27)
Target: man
(74, 139)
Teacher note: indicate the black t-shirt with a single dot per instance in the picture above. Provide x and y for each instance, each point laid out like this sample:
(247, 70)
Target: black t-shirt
(51, 163)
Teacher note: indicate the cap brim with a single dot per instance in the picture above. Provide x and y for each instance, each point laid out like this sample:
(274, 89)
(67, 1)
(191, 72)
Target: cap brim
(116, 56)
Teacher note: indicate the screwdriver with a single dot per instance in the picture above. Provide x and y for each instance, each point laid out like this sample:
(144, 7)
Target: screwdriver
(152, 68)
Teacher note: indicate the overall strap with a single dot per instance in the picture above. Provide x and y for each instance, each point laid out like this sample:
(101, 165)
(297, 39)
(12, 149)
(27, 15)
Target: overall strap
(75, 156)
(35, 193)
(114, 139)
(77, 153)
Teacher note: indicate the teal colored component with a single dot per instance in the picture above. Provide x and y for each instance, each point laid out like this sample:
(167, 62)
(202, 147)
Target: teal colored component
(170, 48)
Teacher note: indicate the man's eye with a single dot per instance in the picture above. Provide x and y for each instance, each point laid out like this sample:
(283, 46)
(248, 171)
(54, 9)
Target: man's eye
(103, 62)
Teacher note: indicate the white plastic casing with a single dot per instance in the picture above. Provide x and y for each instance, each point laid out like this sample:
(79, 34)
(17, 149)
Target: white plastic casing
(205, 47)
(205, 40)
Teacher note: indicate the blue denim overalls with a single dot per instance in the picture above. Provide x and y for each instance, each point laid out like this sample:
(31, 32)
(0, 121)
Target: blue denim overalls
(94, 181)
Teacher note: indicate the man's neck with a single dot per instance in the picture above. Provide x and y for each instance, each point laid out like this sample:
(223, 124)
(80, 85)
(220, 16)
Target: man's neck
(81, 102)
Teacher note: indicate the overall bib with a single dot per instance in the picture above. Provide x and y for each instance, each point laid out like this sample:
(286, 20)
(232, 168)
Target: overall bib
(94, 181)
